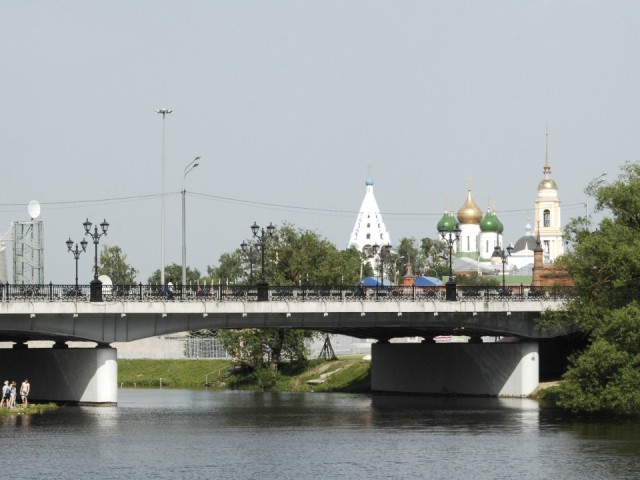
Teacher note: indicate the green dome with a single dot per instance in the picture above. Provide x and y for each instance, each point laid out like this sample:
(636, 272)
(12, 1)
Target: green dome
(500, 225)
(447, 223)
(490, 223)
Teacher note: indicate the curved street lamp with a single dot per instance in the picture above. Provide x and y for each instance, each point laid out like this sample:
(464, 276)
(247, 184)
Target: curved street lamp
(190, 166)
(96, 285)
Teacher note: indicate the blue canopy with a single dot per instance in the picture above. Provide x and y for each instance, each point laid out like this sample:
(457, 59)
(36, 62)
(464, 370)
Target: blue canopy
(423, 281)
(373, 282)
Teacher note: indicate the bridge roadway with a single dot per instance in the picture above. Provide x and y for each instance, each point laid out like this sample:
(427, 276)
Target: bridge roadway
(123, 321)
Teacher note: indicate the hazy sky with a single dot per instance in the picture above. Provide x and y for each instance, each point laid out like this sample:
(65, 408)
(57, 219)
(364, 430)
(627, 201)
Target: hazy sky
(292, 103)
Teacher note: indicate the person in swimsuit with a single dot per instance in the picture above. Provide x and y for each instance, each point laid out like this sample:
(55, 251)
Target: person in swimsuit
(25, 388)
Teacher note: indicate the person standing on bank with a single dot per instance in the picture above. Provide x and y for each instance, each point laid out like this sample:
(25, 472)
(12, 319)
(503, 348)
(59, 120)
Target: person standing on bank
(14, 394)
(25, 388)
(6, 395)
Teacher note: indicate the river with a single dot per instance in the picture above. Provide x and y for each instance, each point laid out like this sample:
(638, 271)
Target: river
(176, 434)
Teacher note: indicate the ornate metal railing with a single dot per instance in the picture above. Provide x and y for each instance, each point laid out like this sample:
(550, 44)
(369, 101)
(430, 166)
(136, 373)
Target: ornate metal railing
(221, 293)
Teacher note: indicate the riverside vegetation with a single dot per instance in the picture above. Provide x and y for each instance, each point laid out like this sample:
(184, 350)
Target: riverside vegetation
(346, 374)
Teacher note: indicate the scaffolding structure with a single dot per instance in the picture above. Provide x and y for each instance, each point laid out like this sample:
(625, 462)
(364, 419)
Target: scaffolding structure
(210, 347)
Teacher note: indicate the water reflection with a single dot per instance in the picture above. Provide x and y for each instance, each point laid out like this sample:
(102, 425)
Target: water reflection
(226, 434)
(460, 414)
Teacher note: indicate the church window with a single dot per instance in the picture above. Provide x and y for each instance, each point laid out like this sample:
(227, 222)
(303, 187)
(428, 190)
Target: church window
(486, 247)
(368, 236)
(468, 243)
(547, 218)
(368, 225)
(380, 235)
(547, 247)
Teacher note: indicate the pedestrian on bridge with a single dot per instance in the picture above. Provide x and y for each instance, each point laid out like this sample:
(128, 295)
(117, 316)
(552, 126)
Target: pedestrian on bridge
(169, 290)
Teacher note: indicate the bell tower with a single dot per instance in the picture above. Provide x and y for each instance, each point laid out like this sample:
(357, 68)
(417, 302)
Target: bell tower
(547, 213)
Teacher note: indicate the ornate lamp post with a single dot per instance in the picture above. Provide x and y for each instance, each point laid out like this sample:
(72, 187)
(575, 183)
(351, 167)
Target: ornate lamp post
(449, 230)
(247, 248)
(263, 285)
(190, 166)
(76, 254)
(96, 285)
(498, 252)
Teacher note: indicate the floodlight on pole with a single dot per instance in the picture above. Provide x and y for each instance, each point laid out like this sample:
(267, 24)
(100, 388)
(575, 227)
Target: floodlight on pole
(164, 112)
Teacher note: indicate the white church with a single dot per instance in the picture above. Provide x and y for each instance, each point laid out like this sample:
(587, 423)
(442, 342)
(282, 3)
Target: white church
(479, 233)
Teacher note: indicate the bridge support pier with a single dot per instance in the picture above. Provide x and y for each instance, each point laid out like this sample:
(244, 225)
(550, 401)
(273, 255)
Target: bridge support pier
(85, 376)
(488, 369)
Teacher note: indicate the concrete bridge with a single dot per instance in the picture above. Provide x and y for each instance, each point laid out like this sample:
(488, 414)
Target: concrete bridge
(90, 375)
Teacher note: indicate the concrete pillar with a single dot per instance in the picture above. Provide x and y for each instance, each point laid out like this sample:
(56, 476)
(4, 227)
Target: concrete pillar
(494, 369)
(85, 376)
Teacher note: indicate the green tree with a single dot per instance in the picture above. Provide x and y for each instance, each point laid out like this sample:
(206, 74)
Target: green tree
(113, 262)
(231, 268)
(173, 274)
(605, 266)
(267, 348)
(292, 257)
(297, 256)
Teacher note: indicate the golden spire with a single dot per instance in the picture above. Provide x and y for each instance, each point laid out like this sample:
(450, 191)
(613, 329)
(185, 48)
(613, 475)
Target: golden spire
(547, 182)
(547, 167)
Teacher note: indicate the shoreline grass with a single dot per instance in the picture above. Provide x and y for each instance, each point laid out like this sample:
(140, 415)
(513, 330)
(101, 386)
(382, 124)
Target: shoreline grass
(33, 409)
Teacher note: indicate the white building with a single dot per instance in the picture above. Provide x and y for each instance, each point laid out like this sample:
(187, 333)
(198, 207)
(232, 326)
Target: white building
(369, 229)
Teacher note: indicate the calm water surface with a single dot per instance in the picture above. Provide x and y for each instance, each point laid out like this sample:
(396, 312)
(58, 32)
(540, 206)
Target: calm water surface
(174, 434)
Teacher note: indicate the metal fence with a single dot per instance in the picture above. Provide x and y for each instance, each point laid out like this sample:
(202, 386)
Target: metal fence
(221, 293)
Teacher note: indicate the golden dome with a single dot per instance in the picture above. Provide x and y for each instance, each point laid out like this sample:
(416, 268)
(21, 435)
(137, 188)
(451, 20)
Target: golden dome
(469, 213)
(547, 184)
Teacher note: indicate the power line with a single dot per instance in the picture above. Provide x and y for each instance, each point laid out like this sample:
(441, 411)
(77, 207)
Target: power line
(277, 206)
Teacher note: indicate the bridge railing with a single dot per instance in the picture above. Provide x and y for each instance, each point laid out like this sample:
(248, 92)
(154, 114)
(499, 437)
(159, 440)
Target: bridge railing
(300, 293)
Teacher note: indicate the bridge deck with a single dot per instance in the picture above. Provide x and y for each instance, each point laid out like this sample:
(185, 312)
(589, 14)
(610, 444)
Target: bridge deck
(121, 321)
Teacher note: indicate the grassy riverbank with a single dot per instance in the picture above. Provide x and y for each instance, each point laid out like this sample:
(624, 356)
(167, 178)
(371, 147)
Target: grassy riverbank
(31, 409)
(347, 374)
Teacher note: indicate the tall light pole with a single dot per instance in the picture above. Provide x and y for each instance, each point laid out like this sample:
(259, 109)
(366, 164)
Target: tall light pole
(395, 268)
(190, 166)
(76, 254)
(96, 285)
(164, 112)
